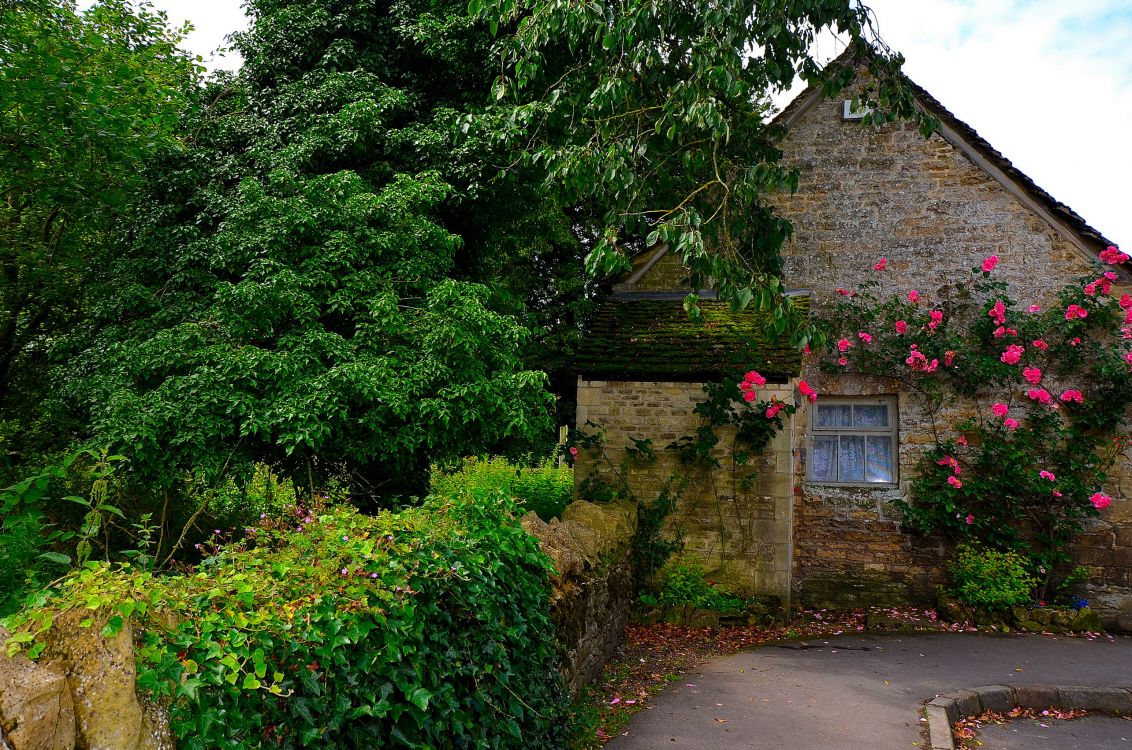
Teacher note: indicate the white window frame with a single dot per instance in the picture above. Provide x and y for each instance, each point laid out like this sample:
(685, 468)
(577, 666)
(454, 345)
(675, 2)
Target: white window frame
(891, 430)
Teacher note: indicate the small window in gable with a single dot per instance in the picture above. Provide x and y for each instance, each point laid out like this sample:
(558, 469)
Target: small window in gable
(853, 441)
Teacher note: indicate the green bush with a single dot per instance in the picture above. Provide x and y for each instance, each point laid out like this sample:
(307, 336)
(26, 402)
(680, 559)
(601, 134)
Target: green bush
(427, 628)
(987, 578)
(235, 505)
(546, 489)
(687, 586)
(40, 535)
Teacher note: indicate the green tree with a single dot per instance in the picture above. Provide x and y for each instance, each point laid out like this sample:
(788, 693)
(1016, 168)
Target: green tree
(655, 114)
(84, 97)
(303, 284)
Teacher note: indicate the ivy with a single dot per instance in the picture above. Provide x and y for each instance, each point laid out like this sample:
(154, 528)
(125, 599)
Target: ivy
(330, 629)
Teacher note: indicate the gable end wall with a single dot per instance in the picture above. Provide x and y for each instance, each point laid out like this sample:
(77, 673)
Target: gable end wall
(867, 193)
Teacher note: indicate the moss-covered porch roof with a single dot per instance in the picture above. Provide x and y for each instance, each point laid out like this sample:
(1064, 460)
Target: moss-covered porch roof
(634, 339)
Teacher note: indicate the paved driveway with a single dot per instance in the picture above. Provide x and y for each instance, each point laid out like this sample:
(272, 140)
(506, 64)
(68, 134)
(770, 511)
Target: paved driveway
(859, 692)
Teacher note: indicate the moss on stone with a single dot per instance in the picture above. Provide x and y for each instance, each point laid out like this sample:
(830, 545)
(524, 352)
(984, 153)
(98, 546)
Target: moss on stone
(632, 338)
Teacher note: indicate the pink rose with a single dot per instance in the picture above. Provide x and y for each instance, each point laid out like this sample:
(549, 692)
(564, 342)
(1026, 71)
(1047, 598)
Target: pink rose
(881, 265)
(807, 391)
(1071, 395)
(936, 318)
(990, 263)
(1034, 308)
(962, 440)
(573, 452)
(1100, 501)
(843, 345)
(970, 519)
(749, 396)
(1047, 475)
(1040, 344)
(901, 327)
(843, 361)
(867, 338)
(1012, 354)
(1000, 410)
(844, 292)
(1010, 424)
(1113, 256)
(1075, 311)
(1032, 375)
(955, 482)
(998, 312)
(773, 409)
(948, 357)
(1041, 395)
(914, 296)
(754, 379)
(1126, 302)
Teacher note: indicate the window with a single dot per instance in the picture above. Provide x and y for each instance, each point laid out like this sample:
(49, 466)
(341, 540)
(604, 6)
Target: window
(853, 441)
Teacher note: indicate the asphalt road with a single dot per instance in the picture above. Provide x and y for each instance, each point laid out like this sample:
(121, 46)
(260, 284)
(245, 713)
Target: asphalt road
(864, 691)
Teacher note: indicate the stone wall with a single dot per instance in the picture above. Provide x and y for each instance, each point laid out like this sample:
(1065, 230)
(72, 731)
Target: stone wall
(733, 521)
(872, 192)
(592, 590)
(80, 693)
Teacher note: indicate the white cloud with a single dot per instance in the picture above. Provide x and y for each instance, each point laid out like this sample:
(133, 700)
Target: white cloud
(1046, 83)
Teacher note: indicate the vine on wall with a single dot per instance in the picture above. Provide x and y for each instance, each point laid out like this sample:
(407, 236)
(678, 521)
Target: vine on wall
(1028, 405)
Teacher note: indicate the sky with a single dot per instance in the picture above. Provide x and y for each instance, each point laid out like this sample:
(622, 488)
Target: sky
(1047, 82)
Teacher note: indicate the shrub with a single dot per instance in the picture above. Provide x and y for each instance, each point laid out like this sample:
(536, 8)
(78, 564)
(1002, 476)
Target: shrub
(686, 585)
(39, 539)
(991, 579)
(546, 489)
(234, 505)
(1029, 404)
(425, 628)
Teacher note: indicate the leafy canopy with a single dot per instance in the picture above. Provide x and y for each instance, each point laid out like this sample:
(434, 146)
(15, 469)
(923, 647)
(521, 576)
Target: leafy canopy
(84, 99)
(656, 112)
(300, 284)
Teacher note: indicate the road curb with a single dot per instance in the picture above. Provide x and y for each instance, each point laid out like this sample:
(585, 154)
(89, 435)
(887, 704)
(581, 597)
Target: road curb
(943, 711)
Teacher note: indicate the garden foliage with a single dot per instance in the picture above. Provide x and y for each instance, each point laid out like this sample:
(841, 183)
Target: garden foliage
(1029, 403)
(546, 488)
(307, 283)
(990, 579)
(85, 98)
(331, 629)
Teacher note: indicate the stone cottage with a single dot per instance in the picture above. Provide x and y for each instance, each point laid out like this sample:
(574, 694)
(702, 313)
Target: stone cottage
(793, 521)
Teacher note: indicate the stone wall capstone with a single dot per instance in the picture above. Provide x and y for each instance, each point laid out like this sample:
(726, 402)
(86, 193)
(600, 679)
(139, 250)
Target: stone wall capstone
(593, 589)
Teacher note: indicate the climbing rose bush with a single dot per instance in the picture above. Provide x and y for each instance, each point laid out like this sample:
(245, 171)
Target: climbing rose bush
(1029, 405)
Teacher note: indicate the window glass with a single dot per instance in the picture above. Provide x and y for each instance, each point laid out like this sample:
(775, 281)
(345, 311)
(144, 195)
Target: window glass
(878, 459)
(853, 442)
(851, 459)
(823, 461)
(870, 415)
(833, 415)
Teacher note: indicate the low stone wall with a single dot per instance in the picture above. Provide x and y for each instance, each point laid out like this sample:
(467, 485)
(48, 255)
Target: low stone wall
(593, 588)
(79, 693)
